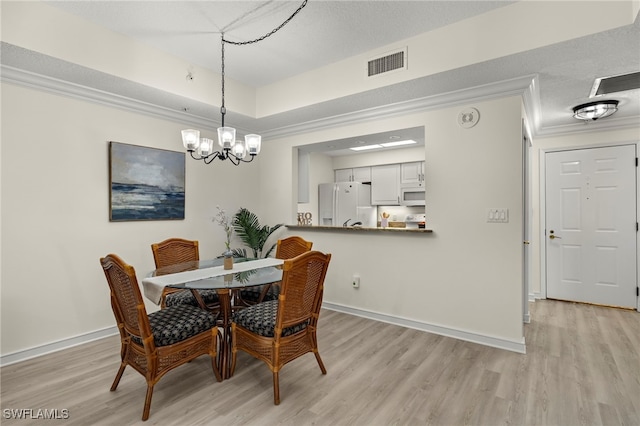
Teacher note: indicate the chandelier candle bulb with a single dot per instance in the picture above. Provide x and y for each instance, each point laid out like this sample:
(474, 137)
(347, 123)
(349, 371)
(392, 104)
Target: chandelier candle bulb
(206, 147)
(239, 149)
(191, 139)
(226, 137)
(253, 143)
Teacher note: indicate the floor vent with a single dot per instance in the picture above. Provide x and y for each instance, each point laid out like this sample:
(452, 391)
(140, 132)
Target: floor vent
(618, 83)
(390, 62)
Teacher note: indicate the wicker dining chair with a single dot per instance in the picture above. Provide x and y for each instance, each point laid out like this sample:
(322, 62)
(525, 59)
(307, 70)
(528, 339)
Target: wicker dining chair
(286, 248)
(279, 331)
(156, 343)
(178, 250)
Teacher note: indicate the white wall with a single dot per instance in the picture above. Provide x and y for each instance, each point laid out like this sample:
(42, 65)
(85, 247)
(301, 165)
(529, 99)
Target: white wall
(55, 218)
(466, 276)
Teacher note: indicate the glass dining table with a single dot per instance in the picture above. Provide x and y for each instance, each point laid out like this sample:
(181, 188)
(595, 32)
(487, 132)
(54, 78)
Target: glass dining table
(211, 275)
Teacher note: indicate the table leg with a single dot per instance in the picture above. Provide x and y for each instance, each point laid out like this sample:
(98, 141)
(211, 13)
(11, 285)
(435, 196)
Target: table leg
(224, 331)
(198, 298)
(224, 338)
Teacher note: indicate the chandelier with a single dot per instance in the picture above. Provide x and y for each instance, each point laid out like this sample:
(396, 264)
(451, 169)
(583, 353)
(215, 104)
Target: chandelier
(229, 148)
(595, 110)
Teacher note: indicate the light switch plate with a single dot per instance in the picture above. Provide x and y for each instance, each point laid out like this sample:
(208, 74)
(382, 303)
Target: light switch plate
(498, 215)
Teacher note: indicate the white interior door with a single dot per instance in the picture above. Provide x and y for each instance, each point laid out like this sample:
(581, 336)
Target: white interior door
(591, 225)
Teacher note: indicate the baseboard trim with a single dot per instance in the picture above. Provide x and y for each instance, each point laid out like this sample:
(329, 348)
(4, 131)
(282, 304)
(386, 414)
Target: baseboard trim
(59, 345)
(70, 342)
(431, 328)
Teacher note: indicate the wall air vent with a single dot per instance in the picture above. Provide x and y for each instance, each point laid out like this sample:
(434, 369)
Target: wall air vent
(617, 83)
(389, 62)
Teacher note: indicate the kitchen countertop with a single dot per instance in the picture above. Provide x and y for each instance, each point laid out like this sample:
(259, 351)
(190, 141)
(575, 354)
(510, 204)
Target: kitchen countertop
(360, 229)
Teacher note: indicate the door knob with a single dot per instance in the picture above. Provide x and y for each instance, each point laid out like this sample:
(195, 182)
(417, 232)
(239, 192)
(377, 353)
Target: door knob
(553, 237)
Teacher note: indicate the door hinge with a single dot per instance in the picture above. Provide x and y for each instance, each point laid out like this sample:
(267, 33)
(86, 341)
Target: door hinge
(636, 161)
(637, 291)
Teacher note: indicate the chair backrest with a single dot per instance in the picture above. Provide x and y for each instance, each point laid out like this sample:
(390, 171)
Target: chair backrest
(302, 288)
(126, 299)
(174, 250)
(293, 246)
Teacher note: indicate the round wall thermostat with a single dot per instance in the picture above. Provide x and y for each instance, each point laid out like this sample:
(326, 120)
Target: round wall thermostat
(468, 118)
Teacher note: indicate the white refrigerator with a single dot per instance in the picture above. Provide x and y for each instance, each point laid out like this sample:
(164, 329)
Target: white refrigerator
(345, 204)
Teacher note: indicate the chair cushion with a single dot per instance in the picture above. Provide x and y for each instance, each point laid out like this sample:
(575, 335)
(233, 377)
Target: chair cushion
(252, 294)
(261, 319)
(177, 323)
(185, 297)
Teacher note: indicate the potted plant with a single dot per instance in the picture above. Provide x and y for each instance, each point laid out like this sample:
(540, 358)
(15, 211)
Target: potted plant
(252, 234)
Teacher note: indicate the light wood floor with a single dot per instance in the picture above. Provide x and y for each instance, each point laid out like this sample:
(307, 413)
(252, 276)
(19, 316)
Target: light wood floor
(582, 367)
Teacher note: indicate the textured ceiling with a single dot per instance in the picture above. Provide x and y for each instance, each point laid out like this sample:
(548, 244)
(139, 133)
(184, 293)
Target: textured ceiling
(323, 32)
(328, 31)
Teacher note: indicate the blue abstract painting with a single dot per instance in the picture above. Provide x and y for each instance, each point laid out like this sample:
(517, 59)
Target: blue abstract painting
(146, 183)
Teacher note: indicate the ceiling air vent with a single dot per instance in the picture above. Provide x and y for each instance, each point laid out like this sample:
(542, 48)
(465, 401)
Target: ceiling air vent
(618, 83)
(390, 62)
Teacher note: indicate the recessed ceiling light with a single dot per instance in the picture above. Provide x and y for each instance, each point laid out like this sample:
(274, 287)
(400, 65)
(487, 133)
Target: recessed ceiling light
(365, 147)
(398, 143)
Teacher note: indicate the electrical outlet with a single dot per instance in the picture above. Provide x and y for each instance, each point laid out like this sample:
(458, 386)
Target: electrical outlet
(355, 282)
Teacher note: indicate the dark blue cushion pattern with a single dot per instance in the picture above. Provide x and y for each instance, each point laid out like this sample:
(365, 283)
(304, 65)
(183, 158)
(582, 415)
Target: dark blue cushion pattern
(177, 323)
(185, 297)
(261, 319)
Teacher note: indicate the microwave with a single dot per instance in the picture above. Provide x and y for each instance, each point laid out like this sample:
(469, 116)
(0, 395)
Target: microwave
(412, 196)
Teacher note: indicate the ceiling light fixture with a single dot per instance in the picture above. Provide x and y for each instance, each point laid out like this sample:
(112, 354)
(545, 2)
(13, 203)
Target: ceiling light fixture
(595, 110)
(230, 148)
(365, 147)
(383, 145)
(398, 143)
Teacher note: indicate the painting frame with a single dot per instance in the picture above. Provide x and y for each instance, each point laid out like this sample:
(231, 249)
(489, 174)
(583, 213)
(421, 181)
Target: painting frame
(145, 183)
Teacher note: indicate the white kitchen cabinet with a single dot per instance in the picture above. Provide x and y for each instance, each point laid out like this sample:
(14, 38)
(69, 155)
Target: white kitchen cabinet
(385, 185)
(412, 174)
(343, 175)
(356, 174)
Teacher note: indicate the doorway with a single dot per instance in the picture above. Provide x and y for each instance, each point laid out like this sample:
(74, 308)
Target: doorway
(590, 235)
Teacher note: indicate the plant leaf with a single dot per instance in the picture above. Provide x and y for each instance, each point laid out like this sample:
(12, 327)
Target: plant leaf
(248, 229)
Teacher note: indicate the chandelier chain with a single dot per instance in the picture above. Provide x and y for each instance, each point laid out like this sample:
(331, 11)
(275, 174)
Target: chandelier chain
(270, 33)
(223, 110)
(231, 150)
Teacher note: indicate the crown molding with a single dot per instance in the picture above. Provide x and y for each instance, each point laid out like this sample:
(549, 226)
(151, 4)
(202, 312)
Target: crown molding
(531, 102)
(512, 87)
(56, 86)
(525, 86)
(590, 127)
